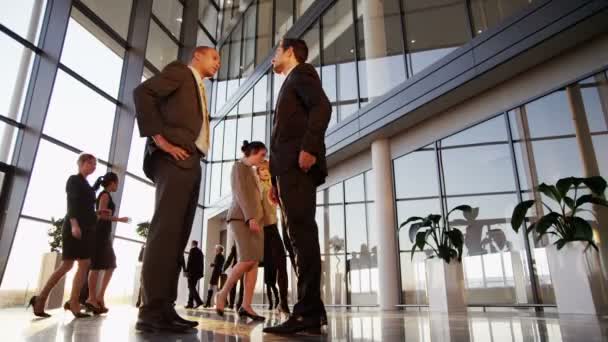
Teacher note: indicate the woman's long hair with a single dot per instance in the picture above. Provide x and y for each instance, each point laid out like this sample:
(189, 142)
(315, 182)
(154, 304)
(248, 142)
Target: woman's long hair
(105, 180)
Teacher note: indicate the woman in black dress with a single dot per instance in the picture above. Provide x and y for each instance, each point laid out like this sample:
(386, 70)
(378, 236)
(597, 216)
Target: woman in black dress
(78, 235)
(103, 258)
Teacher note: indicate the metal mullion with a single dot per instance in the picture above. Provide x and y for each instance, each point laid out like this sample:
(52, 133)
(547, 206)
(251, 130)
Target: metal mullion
(404, 39)
(90, 85)
(166, 30)
(139, 178)
(202, 26)
(357, 57)
(228, 34)
(148, 65)
(408, 199)
(440, 179)
(469, 18)
(482, 144)
(36, 219)
(495, 193)
(20, 39)
(529, 256)
(71, 148)
(12, 122)
(107, 29)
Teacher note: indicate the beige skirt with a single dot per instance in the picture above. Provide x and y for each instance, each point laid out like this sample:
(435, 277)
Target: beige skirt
(249, 245)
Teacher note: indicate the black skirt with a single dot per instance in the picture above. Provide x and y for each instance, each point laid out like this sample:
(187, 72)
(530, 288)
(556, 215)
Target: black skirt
(77, 249)
(103, 257)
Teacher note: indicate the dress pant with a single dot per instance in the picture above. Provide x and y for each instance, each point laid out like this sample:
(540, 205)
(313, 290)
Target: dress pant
(275, 260)
(176, 198)
(193, 296)
(297, 191)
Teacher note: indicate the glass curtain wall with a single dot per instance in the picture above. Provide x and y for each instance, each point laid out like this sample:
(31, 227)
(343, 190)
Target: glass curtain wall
(491, 167)
(81, 117)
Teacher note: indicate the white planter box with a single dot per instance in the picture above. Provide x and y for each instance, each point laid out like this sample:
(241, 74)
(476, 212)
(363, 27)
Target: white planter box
(445, 285)
(577, 279)
(50, 262)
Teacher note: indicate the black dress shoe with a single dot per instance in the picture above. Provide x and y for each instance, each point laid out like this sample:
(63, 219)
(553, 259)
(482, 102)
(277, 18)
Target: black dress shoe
(244, 313)
(294, 325)
(155, 325)
(188, 306)
(175, 316)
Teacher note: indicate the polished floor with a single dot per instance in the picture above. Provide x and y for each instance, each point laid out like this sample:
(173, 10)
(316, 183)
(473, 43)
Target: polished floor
(344, 325)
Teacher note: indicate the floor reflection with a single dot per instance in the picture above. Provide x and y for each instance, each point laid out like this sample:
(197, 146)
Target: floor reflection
(344, 325)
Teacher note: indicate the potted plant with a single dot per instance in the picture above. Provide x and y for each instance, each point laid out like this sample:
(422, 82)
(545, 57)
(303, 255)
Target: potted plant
(337, 246)
(444, 272)
(51, 261)
(573, 257)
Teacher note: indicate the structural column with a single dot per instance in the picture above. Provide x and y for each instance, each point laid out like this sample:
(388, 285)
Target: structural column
(385, 225)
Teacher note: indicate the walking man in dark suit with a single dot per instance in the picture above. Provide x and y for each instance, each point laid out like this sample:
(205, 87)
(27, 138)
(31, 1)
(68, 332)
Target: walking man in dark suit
(298, 166)
(195, 268)
(172, 113)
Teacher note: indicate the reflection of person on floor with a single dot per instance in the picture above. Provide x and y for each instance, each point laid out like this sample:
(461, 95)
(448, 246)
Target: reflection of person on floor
(217, 265)
(231, 261)
(77, 237)
(275, 263)
(194, 270)
(140, 259)
(103, 257)
(245, 221)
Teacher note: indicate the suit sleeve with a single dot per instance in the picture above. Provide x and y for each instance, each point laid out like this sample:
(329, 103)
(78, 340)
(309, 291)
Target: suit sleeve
(148, 95)
(245, 191)
(309, 90)
(72, 189)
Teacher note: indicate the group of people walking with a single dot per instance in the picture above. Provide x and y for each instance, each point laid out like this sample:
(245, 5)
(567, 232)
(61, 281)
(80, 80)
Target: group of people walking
(172, 112)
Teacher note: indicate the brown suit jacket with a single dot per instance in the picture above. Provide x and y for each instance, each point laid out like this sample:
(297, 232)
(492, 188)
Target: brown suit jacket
(246, 198)
(170, 104)
(302, 115)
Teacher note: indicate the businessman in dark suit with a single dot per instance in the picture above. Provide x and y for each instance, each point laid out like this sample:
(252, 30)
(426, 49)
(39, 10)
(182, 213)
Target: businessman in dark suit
(298, 166)
(195, 268)
(172, 113)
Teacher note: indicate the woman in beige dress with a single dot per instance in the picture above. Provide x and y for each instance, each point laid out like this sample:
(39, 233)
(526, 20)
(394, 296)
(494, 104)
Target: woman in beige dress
(245, 218)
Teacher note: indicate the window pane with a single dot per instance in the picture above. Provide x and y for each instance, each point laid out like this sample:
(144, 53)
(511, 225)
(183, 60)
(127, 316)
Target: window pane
(336, 228)
(336, 193)
(260, 97)
(381, 65)
(407, 209)
(249, 41)
(416, 175)
(428, 46)
(493, 130)
(161, 49)
(302, 6)
(339, 66)
(356, 237)
(243, 133)
(80, 117)
(218, 141)
(553, 109)
(229, 138)
(284, 19)
(46, 197)
(8, 136)
(208, 15)
(370, 187)
(264, 30)
(121, 289)
(216, 182)
(115, 13)
(258, 132)
(235, 54)
(15, 67)
(354, 189)
(202, 39)
(23, 17)
(312, 38)
(84, 37)
(30, 245)
(246, 103)
(169, 12)
(136, 153)
(489, 13)
(138, 204)
(226, 172)
(594, 92)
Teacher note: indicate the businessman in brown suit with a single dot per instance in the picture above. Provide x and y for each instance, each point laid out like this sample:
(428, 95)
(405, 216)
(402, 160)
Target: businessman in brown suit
(298, 166)
(172, 113)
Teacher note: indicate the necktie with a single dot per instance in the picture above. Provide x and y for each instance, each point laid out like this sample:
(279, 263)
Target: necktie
(203, 140)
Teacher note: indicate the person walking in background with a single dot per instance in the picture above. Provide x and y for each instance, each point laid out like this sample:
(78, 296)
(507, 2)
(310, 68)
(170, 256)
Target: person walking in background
(172, 113)
(195, 268)
(275, 263)
(298, 166)
(231, 261)
(103, 258)
(217, 265)
(245, 221)
(77, 237)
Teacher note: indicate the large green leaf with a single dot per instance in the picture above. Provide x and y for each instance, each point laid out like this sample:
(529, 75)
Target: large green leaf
(410, 220)
(519, 214)
(545, 222)
(564, 184)
(420, 242)
(569, 202)
(582, 229)
(457, 239)
(434, 218)
(464, 208)
(550, 191)
(415, 227)
(591, 199)
(597, 184)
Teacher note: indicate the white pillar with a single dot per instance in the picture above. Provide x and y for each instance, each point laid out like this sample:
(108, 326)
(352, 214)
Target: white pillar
(385, 225)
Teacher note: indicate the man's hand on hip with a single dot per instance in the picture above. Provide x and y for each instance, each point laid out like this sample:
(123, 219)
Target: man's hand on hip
(175, 151)
(306, 160)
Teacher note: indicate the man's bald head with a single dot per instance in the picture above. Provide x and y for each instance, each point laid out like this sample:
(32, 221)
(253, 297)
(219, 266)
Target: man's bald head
(206, 60)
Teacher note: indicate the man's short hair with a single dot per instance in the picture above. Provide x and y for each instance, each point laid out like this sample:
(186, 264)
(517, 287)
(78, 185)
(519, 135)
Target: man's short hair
(221, 248)
(300, 49)
(202, 49)
(195, 242)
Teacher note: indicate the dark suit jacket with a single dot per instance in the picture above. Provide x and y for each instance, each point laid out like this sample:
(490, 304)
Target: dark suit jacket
(302, 115)
(195, 266)
(218, 265)
(169, 104)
